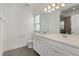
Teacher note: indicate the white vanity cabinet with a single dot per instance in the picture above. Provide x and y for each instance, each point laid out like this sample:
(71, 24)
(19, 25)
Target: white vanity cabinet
(47, 47)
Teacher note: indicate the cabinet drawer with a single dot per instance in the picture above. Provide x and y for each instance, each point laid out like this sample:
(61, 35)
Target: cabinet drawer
(67, 48)
(51, 50)
(38, 45)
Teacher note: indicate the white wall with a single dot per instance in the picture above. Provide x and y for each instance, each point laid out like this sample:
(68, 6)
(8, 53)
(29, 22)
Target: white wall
(1, 29)
(50, 21)
(1, 40)
(18, 25)
(75, 24)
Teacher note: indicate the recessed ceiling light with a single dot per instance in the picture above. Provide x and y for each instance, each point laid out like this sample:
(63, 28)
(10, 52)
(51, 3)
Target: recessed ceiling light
(73, 8)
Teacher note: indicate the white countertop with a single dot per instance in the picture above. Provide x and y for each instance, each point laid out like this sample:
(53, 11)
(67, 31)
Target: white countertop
(70, 40)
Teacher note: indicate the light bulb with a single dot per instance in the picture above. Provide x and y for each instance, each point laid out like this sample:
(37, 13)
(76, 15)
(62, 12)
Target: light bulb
(53, 5)
(53, 9)
(57, 7)
(49, 10)
(49, 7)
(45, 9)
(62, 4)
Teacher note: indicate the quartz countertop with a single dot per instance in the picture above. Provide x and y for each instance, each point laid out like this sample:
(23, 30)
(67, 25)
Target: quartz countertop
(72, 40)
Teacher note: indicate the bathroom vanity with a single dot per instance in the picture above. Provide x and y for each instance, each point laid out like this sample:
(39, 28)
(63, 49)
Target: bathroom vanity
(52, 44)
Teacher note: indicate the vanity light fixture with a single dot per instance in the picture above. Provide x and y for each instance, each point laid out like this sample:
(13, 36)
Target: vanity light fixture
(53, 6)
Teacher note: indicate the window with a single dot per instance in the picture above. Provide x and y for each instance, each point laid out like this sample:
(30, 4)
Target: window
(37, 23)
(61, 24)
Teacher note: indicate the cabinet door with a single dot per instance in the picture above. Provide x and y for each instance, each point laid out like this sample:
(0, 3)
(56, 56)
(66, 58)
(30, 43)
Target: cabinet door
(54, 51)
(37, 46)
(50, 50)
(35, 42)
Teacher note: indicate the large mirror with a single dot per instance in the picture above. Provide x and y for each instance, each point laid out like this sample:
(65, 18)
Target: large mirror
(64, 20)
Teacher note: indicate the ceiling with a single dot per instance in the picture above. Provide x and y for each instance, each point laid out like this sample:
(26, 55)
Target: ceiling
(39, 7)
(71, 9)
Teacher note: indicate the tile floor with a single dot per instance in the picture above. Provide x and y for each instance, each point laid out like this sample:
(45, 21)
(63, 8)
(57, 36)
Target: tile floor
(24, 51)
